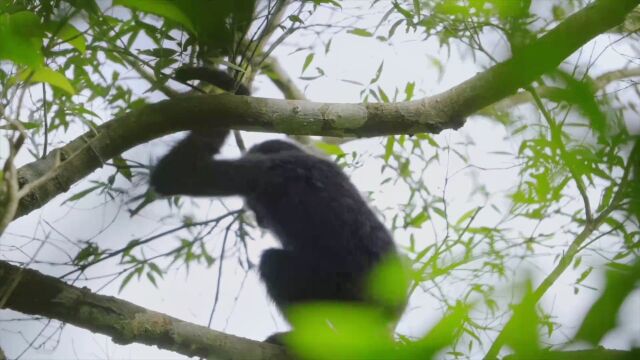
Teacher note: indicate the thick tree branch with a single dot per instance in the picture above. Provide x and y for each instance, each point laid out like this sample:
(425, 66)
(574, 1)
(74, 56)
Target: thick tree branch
(124, 322)
(444, 111)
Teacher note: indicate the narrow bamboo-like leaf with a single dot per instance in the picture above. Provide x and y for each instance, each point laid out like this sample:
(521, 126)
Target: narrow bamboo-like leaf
(83, 193)
(360, 32)
(307, 62)
(388, 148)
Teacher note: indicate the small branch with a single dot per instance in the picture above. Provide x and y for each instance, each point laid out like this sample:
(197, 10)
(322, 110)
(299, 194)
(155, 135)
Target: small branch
(124, 322)
(151, 79)
(132, 246)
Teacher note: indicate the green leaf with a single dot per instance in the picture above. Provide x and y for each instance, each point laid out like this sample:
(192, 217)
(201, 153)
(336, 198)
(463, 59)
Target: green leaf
(163, 8)
(21, 38)
(49, 76)
(522, 332)
(406, 13)
(152, 279)
(408, 90)
(444, 333)
(467, 215)
(296, 19)
(160, 53)
(82, 194)
(360, 32)
(330, 149)
(429, 139)
(383, 95)
(338, 331)
(418, 220)
(123, 167)
(68, 33)
(377, 76)
(584, 275)
(389, 283)
(126, 280)
(439, 212)
(307, 62)
(602, 316)
(388, 148)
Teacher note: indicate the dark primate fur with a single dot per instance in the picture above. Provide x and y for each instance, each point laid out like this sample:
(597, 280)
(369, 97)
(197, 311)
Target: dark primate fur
(330, 238)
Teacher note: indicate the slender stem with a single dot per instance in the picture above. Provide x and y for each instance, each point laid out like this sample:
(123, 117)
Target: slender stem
(46, 120)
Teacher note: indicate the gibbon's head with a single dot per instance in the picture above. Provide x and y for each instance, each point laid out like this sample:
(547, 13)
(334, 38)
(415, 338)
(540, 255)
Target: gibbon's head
(274, 147)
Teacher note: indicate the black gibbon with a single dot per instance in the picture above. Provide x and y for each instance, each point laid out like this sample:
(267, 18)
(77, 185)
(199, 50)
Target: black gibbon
(331, 239)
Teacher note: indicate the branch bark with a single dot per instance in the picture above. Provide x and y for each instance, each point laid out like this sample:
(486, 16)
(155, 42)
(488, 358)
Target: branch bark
(124, 322)
(434, 114)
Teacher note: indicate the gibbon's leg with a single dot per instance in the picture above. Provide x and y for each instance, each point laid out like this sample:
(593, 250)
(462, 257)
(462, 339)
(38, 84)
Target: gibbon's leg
(293, 277)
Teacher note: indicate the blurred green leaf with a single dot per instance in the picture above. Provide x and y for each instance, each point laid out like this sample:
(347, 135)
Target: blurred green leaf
(21, 38)
(360, 32)
(164, 8)
(123, 167)
(443, 334)
(83, 193)
(388, 148)
(67, 33)
(49, 76)
(307, 62)
(521, 334)
(339, 331)
(389, 283)
(408, 90)
(418, 220)
(330, 149)
(621, 281)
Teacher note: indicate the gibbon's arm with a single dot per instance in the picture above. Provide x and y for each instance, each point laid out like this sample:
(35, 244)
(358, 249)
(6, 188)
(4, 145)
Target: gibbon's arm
(189, 169)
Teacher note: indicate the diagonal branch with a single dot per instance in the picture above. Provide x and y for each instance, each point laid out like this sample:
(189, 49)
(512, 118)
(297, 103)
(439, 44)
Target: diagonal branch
(434, 114)
(124, 322)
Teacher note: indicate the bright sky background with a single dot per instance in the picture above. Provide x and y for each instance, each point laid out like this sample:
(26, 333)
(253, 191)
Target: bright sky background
(188, 294)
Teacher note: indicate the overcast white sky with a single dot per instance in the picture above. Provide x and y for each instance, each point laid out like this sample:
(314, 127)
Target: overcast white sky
(188, 294)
